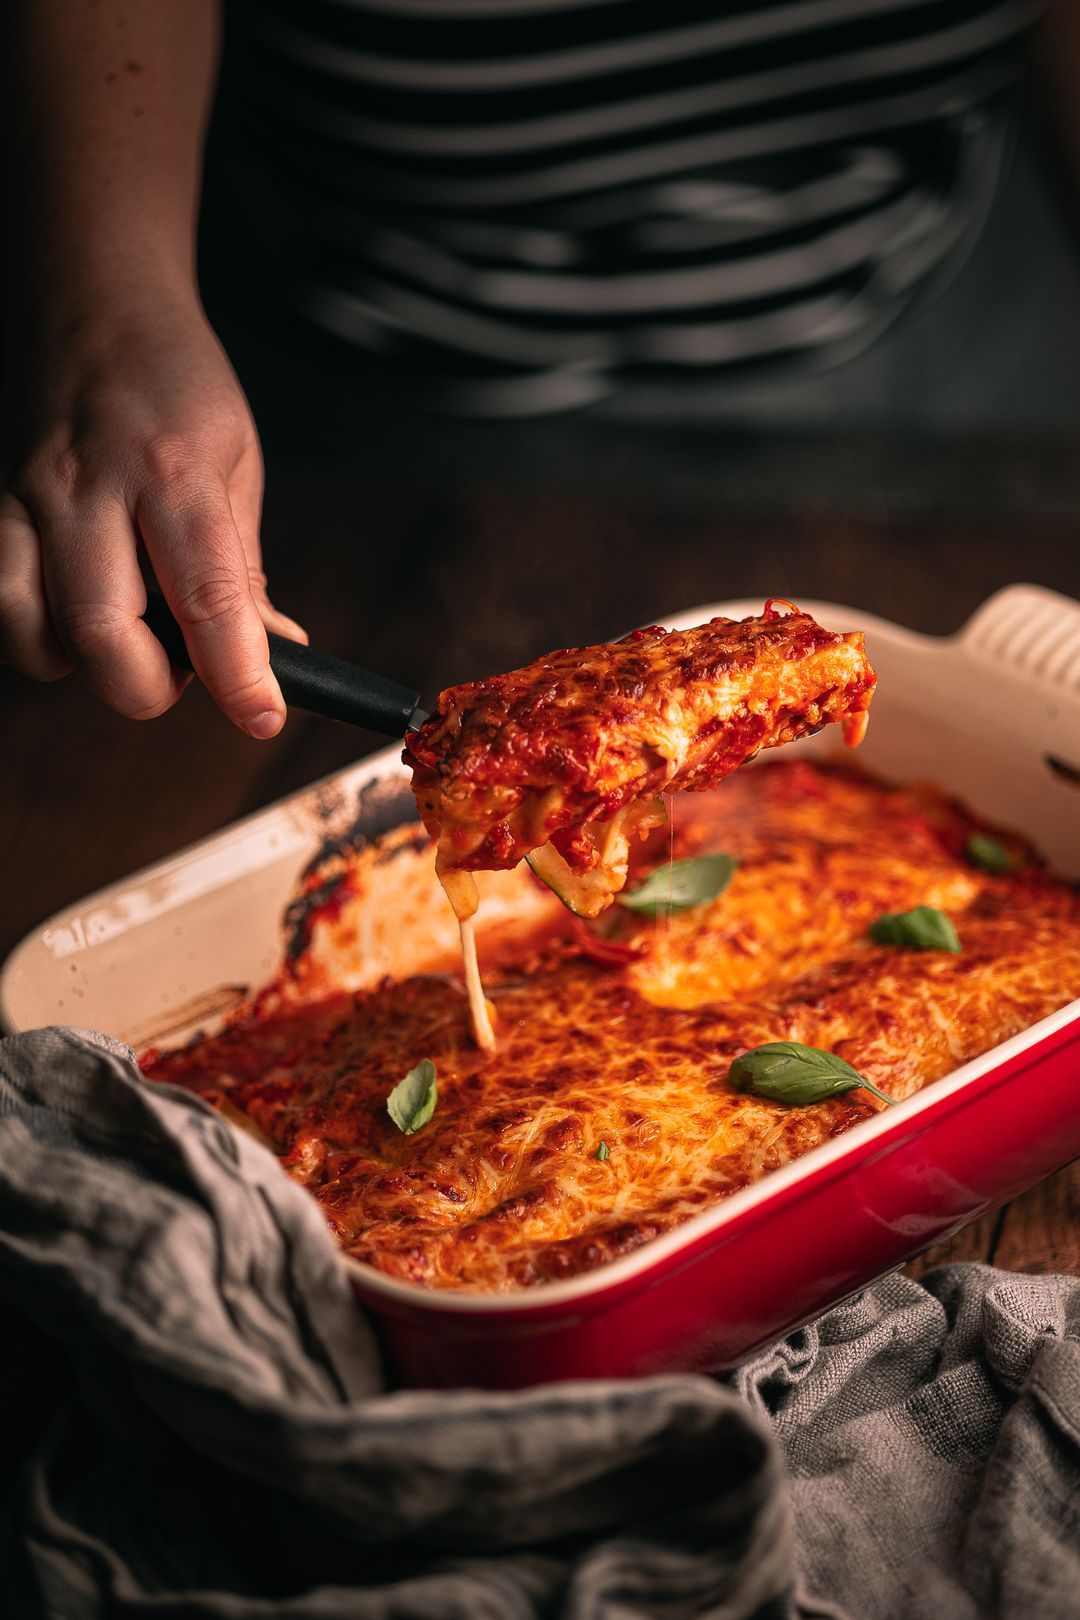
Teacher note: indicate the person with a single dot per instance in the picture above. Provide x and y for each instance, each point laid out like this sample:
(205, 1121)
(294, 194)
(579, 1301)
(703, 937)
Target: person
(526, 205)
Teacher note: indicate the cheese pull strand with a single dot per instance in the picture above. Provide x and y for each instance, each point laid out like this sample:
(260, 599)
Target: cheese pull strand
(461, 892)
(483, 1034)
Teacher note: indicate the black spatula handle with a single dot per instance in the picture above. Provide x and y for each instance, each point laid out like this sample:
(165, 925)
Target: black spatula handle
(312, 680)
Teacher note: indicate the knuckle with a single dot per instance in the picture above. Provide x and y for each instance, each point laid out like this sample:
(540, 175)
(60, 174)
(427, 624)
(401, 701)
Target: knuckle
(245, 696)
(169, 461)
(54, 468)
(17, 597)
(92, 630)
(210, 600)
(27, 642)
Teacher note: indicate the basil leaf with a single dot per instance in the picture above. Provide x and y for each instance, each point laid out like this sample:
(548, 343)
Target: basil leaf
(788, 1072)
(412, 1101)
(924, 929)
(602, 1152)
(990, 855)
(682, 884)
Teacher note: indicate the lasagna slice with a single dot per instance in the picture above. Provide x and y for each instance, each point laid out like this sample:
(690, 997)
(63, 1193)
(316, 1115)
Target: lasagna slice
(563, 761)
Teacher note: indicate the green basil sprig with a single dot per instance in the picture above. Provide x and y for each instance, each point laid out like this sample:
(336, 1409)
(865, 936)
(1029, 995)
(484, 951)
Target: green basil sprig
(924, 929)
(603, 1152)
(681, 885)
(788, 1072)
(412, 1101)
(986, 852)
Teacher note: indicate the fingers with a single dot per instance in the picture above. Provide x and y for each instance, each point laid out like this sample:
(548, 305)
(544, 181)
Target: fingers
(139, 435)
(28, 641)
(72, 595)
(272, 617)
(191, 538)
(96, 597)
(245, 498)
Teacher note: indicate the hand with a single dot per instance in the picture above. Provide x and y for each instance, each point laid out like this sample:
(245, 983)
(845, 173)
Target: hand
(128, 437)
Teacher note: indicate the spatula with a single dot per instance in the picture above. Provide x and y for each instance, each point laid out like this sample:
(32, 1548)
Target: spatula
(312, 680)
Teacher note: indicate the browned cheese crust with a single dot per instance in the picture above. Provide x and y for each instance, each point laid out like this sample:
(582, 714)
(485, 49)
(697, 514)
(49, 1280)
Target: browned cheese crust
(502, 1189)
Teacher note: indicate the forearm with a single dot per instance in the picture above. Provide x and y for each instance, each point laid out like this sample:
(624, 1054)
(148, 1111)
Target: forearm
(105, 107)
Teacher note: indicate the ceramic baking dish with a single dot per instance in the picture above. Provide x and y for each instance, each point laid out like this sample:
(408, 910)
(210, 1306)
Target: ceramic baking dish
(992, 714)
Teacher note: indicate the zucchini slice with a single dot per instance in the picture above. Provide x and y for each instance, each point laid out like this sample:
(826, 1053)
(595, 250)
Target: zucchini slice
(587, 894)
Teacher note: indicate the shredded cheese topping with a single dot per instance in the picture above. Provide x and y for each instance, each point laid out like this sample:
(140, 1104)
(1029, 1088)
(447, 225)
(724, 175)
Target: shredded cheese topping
(624, 1036)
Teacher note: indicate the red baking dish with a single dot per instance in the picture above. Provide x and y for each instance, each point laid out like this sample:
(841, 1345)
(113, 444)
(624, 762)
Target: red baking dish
(991, 714)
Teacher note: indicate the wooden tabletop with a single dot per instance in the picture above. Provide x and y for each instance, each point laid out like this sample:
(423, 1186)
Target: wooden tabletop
(435, 552)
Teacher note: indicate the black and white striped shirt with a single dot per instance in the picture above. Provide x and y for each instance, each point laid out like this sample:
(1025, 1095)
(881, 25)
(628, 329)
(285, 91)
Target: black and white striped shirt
(530, 202)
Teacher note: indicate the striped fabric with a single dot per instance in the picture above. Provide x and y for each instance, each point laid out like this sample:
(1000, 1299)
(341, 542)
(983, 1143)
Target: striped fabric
(529, 203)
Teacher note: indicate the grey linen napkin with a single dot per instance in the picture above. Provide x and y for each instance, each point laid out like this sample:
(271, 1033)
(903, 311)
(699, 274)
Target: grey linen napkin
(197, 1423)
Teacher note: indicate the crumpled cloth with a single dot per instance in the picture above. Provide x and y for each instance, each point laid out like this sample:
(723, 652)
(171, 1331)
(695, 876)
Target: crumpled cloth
(196, 1424)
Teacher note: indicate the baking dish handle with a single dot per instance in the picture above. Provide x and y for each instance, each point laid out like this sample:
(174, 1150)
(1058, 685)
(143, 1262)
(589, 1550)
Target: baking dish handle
(1030, 630)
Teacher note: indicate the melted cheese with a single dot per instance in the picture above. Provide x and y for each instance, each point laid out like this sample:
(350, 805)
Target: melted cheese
(502, 1189)
(479, 1011)
(561, 762)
